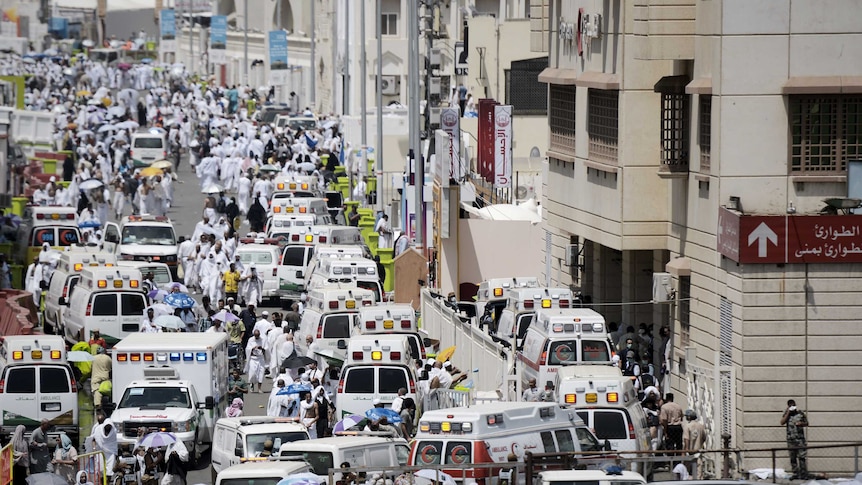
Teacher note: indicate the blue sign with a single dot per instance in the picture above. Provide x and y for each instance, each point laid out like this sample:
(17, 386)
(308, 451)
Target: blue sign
(278, 68)
(168, 24)
(218, 32)
(60, 26)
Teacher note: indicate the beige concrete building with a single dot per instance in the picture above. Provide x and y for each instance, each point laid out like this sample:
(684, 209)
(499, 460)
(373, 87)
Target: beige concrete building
(663, 113)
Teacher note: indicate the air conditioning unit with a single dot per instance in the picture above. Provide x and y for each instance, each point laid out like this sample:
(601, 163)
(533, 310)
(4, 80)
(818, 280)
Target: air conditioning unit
(524, 192)
(435, 117)
(435, 57)
(662, 289)
(390, 85)
(572, 252)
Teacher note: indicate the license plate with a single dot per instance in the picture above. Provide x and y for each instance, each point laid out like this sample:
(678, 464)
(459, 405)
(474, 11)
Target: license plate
(51, 407)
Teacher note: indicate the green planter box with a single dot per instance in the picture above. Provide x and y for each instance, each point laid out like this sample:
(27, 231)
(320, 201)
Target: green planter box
(388, 263)
(343, 186)
(17, 273)
(18, 205)
(366, 212)
(49, 166)
(370, 185)
(340, 170)
(350, 204)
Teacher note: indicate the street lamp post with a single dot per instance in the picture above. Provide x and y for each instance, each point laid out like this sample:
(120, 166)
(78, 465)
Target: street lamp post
(245, 41)
(378, 148)
(363, 71)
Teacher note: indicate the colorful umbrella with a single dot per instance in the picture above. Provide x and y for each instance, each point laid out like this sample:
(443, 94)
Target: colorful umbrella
(294, 389)
(162, 165)
(179, 300)
(445, 354)
(157, 295)
(151, 172)
(90, 184)
(79, 356)
(169, 287)
(225, 316)
(354, 420)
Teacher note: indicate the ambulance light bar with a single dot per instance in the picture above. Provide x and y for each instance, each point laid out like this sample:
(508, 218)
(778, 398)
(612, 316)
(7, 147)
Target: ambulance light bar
(55, 216)
(258, 240)
(157, 357)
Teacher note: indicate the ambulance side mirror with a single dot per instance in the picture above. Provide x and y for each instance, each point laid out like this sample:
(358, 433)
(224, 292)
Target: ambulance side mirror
(426, 342)
(607, 446)
(62, 301)
(342, 344)
(209, 402)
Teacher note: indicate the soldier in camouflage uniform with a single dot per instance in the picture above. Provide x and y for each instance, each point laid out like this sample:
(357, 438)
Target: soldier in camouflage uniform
(795, 421)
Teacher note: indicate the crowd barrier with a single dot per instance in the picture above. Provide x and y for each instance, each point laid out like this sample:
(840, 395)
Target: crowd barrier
(94, 464)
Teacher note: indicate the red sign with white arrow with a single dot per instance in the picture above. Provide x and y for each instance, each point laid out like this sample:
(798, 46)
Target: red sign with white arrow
(790, 238)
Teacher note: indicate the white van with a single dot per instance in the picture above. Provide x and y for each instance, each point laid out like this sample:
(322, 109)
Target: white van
(326, 235)
(149, 146)
(109, 299)
(521, 309)
(161, 271)
(237, 439)
(291, 272)
(266, 258)
(315, 206)
(392, 319)
(359, 271)
(324, 454)
(268, 472)
(563, 337)
(37, 383)
(278, 226)
(488, 433)
(329, 318)
(377, 366)
(607, 401)
(63, 281)
(494, 294)
(589, 477)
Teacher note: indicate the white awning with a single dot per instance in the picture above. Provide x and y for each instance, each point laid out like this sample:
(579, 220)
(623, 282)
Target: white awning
(113, 5)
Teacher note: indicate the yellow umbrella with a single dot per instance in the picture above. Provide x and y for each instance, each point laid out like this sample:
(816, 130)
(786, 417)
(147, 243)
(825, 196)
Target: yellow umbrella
(151, 172)
(106, 101)
(445, 354)
(83, 93)
(162, 164)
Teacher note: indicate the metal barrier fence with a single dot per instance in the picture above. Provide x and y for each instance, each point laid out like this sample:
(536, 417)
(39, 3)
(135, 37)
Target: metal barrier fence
(6, 464)
(94, 464)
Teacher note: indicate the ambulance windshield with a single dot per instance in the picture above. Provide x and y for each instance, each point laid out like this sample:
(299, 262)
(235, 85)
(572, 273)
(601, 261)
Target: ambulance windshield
(155, 398)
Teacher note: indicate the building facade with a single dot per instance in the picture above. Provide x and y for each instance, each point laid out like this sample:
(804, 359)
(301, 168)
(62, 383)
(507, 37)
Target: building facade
(692, 144)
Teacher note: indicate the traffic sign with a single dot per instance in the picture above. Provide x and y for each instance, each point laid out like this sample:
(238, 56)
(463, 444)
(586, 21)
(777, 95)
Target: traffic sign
(789, 238)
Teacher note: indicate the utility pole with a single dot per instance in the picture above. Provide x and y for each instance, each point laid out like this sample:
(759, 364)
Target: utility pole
(415, 142)
(191, 40)
(245, 41)
(363, 71)
(346, 89)
(313, 63)
(378, 148)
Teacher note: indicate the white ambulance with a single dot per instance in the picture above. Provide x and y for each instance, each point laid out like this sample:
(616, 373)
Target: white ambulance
(37, 383)
(521, 309)
(108, 299)
(64, 279)
(148, 238)
(238, 439)
(563, 337)
(607, 401)
(295, 186)
(315, 206)
(488, 433)
(176, 384)
(55, 225)
(323, 234)
(360, 271)
(329, 318)
(493, 295)
(377, 366)
(278, 226)
(392, 319)
(297, 257)
(265, 254)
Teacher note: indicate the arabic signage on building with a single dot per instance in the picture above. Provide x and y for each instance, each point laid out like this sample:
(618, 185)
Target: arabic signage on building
(502, 147)
(790, 238)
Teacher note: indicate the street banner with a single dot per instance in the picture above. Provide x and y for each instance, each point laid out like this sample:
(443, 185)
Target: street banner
(168, 30)
(440, 165)
(278, 68)
(218, 39)
(485, 149)
(502, 147)
(450, 122)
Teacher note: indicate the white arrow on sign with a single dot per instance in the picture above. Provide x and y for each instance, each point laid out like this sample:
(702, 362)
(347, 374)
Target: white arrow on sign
(762, 234)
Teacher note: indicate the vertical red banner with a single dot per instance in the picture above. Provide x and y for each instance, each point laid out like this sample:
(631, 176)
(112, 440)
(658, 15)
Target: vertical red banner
(485, 162)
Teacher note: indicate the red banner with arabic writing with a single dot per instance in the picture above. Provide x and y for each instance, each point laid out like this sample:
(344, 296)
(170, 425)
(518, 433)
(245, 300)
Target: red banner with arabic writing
(485, 150)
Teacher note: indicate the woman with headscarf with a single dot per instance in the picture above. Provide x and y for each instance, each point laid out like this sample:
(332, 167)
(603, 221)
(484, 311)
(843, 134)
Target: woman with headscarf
(65, 458)
(20, 456)
(235, 408)
(177, 460)
(256, 215)
(308, 415)
(82, 478)
(252, 285)
(323, 406)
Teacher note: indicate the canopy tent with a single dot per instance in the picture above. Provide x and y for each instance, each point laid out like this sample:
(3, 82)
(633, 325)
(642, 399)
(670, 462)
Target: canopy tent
(527, 211)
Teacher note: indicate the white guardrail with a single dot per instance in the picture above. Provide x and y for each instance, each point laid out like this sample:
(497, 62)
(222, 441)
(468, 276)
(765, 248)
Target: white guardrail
(483, 360)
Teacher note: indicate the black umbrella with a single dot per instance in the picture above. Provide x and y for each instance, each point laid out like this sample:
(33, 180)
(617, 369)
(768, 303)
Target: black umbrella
(297, 361)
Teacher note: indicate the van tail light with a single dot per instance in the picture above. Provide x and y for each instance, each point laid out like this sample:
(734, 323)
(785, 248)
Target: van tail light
(405, 323)
(340, 386)
(2, 385)
(544, 359)
(72, 384)
(632, 435)
(89, 309)
(320, 331)
(274, 271)
(412, 386)
(423, 354)
(65, 291)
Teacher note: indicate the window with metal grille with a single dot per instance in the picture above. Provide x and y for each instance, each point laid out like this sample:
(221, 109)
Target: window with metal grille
(602, 126)
(725, 334)
(674, 131)
(561, 104)
(825, 131)
(704, 131)
(684, 311)
(523, 90)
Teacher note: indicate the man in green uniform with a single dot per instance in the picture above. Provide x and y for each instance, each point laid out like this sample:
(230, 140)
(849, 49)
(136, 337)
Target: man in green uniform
(796, 422)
